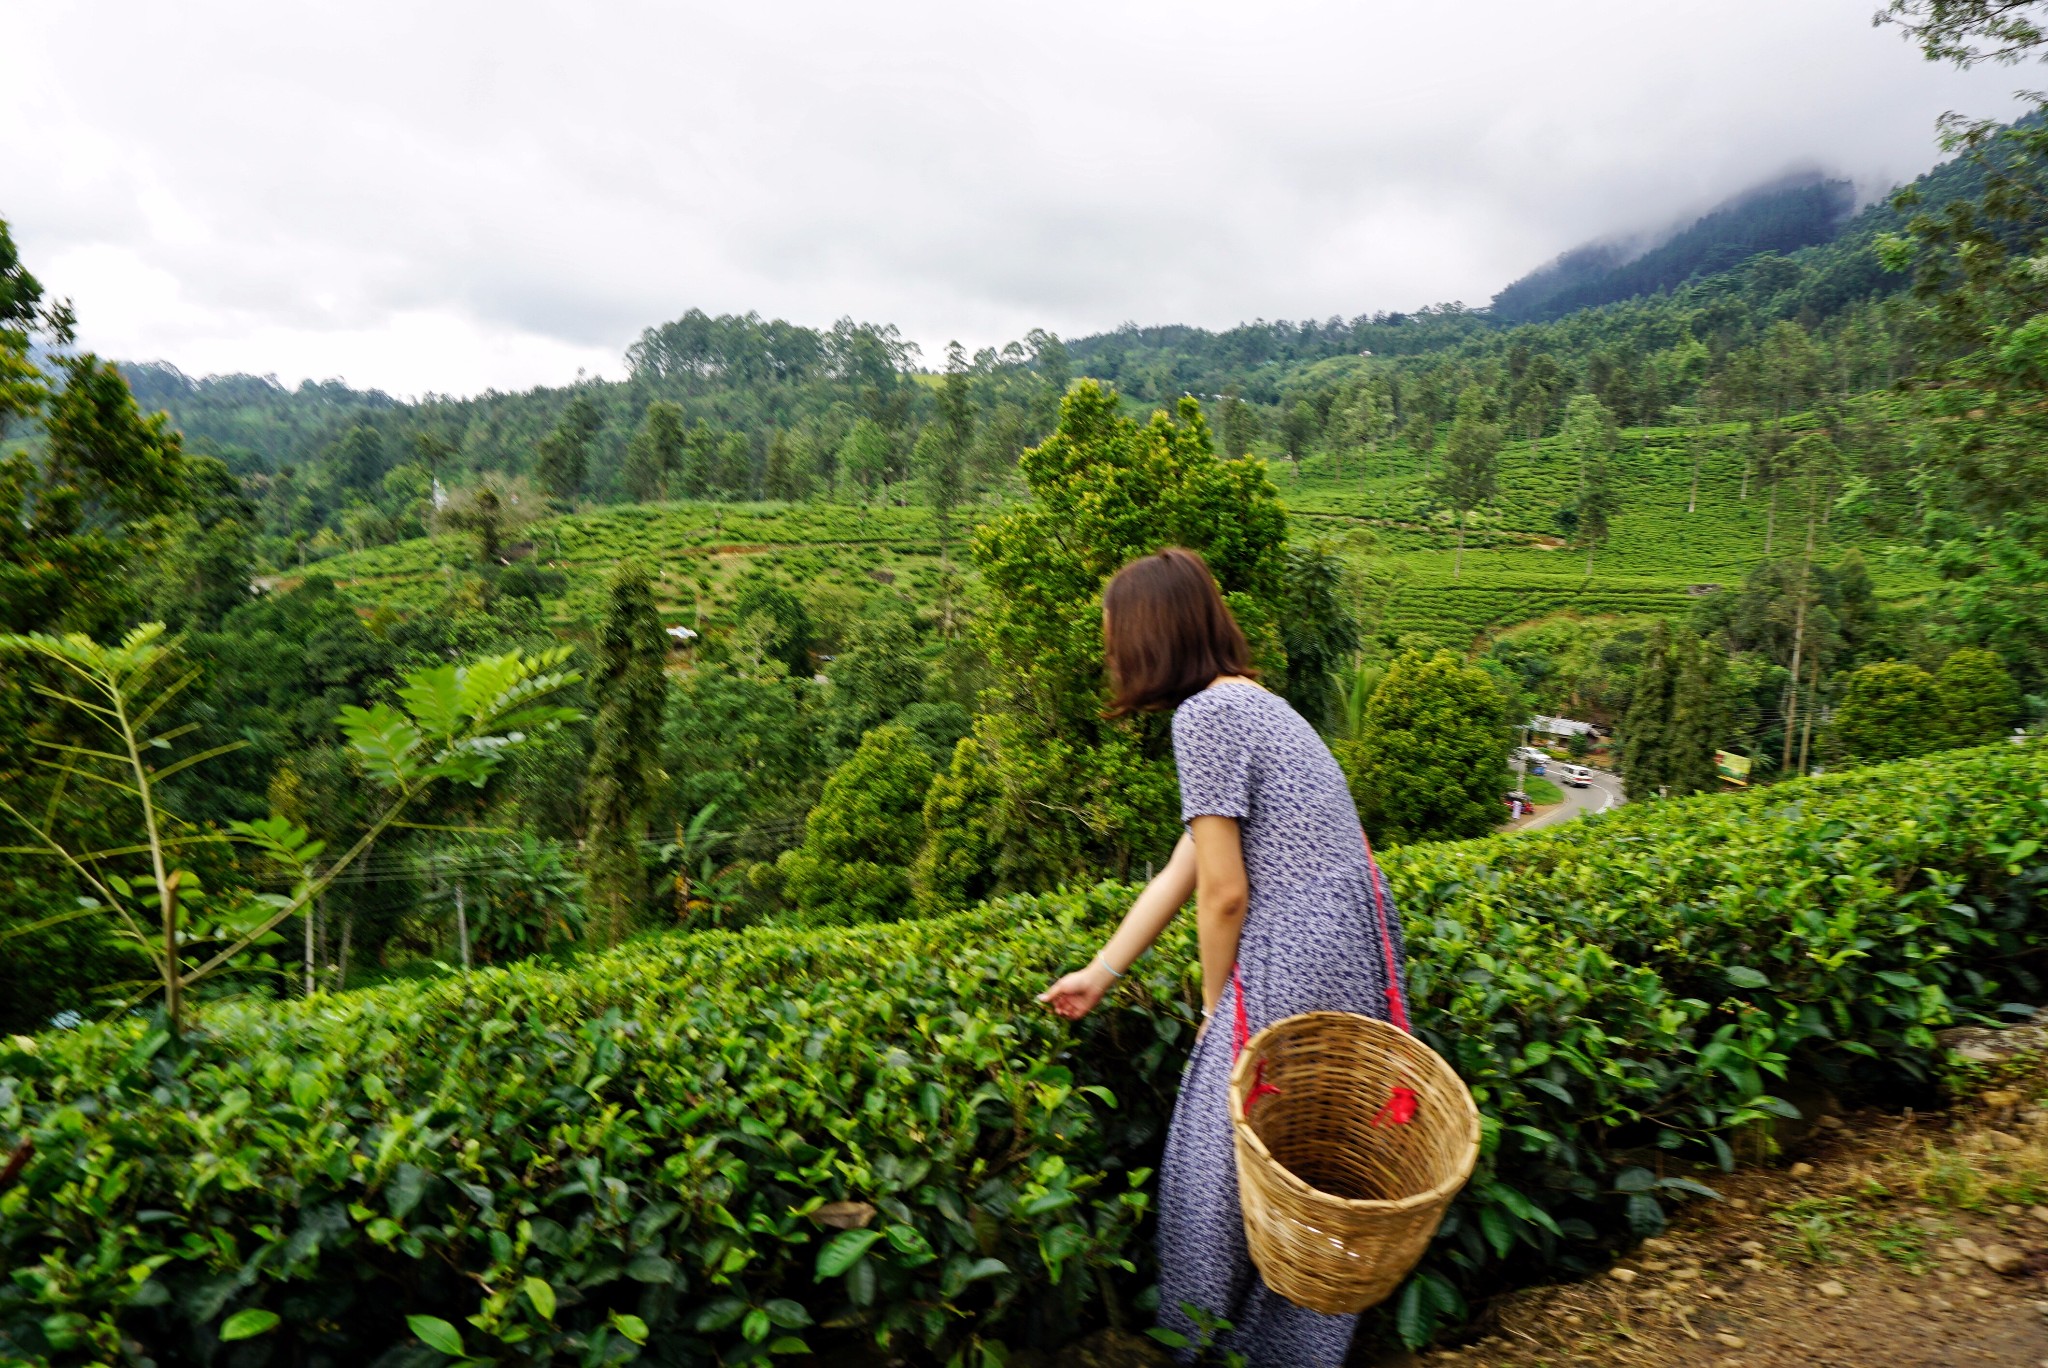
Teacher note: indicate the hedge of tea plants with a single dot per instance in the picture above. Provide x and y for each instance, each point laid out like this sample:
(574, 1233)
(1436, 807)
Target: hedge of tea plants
(730, 1147)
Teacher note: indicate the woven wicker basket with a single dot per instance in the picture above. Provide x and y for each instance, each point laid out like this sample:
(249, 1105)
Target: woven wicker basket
(1340, 1201)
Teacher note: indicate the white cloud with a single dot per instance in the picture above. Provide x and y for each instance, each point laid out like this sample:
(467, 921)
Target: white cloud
(450, 197)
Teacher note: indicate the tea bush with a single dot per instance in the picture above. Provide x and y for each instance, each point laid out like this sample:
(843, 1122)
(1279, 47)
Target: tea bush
(668, 1151)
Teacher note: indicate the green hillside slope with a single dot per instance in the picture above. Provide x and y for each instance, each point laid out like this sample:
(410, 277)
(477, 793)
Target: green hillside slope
(695, 551)
(1517, 566)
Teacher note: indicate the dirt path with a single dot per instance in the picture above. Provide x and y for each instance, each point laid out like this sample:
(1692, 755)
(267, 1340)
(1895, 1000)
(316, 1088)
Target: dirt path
(1892, 1242)
(1902, 1242)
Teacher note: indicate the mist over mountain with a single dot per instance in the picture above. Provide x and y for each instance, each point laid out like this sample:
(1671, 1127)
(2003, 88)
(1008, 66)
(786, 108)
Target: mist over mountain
(1780, 216)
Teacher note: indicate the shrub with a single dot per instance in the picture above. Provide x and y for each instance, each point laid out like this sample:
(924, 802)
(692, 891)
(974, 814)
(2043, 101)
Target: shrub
(638, 1154)
(1427, 763)
(1888, 710)
(860, 840)
(1979, 701)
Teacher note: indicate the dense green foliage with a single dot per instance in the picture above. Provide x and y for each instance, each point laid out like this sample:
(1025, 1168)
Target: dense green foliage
(1044, 789)
(1892, 709)
(860, 840)
(1431, 755)
(1888, 710)
(1675, 719)
(1721, 454)
(558, 1164)
(1979, 700)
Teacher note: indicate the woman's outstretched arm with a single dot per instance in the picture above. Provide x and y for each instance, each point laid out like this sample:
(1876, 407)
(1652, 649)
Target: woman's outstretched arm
(1077, 993)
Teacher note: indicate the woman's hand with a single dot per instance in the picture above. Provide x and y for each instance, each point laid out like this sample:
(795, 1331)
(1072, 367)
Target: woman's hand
(1074, 996)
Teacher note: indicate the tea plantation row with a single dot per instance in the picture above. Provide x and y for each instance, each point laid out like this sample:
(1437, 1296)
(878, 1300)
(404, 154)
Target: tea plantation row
(716, 1147)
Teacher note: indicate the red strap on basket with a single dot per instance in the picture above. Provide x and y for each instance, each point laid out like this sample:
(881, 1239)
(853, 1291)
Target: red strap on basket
(1242, 1030)
(1243, 1027)
(1397, 1007)
(1402, 1102)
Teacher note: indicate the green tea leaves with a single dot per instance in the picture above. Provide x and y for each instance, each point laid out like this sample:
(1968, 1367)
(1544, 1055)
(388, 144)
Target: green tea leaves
(248, 1325)
(436, 1333)
(843, 1250)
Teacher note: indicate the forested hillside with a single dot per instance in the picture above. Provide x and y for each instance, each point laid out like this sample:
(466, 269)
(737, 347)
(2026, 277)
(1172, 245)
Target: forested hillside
(1724, 511)
(1781, 218)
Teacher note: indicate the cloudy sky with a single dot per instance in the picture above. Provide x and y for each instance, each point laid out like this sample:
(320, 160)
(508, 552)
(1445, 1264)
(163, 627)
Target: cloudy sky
(452, 196)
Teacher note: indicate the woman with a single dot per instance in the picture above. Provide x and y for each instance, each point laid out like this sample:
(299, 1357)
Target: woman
(1276, 862)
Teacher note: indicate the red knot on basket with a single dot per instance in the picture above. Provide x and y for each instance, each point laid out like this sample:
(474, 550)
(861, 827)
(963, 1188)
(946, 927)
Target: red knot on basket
(1401, 1107)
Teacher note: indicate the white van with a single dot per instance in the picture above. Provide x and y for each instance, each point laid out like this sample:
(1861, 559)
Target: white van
(1578, 776)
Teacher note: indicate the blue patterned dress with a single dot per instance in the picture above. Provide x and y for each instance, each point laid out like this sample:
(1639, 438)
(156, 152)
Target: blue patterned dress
(1310, 943)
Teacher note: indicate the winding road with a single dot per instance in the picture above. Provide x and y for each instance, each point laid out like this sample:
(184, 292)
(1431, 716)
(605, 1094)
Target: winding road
(1604, 793)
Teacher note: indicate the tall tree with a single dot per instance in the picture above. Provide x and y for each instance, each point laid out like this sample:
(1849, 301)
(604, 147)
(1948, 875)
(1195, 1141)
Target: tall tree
(1967, 32)
(76, 525)
(784, 474)
(943, 461)
(860, 840)
(1298, 427)
(1599, 501)
(1044, 788)
(1790, 366)
(1423, 408)
(1055, 367)
(1699, 717)
(1676, 717)
(1237, 424)
(1532, 400)
(358, 460)
(493, 511)
(435, 452)
(1317, 631)
(657, 452)
(730, 471)
(1646, 731)
(937, 460)
(956, 401)
(876, 676)
(865, 454)
(1364, 419)
(784, 622)
(629, 690)
(1587, 439)
(562, 460)
(1471, 473)
(1814, 459)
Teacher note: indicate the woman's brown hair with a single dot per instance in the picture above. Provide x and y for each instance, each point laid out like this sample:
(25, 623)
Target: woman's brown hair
(1167, 633)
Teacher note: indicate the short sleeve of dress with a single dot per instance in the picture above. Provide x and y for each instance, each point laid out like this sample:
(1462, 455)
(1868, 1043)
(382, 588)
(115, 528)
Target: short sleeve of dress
(1212, 754)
